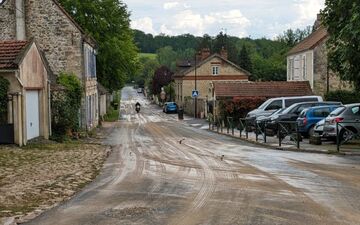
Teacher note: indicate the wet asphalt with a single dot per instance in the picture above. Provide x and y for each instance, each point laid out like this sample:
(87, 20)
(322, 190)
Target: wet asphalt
(166, 171)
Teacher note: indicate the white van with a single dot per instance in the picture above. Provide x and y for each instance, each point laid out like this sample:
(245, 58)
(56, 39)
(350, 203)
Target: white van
(273, 104)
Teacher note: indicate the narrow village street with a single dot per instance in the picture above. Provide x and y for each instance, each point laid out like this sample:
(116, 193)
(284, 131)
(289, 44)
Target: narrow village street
(165, 171)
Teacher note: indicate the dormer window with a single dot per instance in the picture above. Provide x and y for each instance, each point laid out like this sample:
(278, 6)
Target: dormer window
(215, 70)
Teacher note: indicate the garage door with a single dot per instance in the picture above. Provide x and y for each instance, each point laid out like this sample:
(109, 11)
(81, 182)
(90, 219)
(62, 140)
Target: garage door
(32, 114)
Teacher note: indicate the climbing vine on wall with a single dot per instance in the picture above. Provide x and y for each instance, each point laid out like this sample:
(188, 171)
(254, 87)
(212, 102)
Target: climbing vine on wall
(65, 106)
(4, 88)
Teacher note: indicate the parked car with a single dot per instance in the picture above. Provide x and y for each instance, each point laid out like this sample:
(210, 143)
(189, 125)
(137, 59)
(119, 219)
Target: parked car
(319, 127)
(310, 116)
(350, 115)
(292, 113)
(273, 104)
(170, 107)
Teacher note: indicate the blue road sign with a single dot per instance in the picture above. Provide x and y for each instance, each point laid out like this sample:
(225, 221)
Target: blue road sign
(195, 93)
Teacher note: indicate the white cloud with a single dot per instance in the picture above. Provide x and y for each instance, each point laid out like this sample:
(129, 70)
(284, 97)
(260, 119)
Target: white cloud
(144, 24)
(307, 11)
(188, 21)
(170, 5)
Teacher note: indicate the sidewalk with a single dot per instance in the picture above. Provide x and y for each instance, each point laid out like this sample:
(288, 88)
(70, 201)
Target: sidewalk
(327, 147)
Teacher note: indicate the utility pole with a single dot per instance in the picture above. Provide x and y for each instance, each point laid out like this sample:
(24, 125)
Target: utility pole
(195, 90)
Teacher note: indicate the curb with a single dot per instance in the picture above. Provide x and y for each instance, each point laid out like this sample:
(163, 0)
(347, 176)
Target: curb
(302, 150)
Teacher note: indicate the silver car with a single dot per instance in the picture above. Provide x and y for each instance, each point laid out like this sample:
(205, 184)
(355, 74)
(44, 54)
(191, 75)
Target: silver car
(348, 119)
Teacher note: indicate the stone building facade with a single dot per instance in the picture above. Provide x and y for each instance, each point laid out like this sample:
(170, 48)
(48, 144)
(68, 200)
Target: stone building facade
(209, 68)
(65, 45)
(307, 61)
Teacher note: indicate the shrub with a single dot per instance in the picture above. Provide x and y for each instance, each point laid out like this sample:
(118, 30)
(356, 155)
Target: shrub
(344, 96)
(65, 106)
(238, 108)
(4, 88)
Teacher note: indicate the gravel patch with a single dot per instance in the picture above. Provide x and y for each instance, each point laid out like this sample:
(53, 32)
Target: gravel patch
(40, 176)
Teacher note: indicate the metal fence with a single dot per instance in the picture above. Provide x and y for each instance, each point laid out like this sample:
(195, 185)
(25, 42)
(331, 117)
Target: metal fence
(283, 129)
(346, 133)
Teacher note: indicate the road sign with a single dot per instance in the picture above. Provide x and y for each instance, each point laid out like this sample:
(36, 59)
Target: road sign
(162, 95)
(195, 93)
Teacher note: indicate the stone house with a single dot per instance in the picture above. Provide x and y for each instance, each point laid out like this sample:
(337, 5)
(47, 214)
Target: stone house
(64, 43)
(307, 61)
(207, 69)
(28, 109)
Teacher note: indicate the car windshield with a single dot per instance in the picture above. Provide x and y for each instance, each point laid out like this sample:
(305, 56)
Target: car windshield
(262, 106)
(277, 111)
(337, 111)
(303, 113)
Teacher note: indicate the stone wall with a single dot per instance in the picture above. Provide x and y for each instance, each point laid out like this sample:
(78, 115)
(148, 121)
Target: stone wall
(8, 20)
(321, 73)
(56, 35)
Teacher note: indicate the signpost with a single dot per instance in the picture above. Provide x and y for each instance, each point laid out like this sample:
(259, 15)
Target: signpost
(162, 95)
(195, 93)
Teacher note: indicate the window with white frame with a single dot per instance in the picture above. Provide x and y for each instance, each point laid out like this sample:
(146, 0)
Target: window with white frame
(90, 61)
(304, 67)
(215, 70)
(292, 69)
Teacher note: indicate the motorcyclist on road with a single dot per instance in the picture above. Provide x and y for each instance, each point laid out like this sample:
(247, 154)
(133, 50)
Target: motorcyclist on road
(137, 107)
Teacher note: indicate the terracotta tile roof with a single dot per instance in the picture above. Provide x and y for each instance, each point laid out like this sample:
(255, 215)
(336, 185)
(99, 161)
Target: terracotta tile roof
(9, 52)
(310, 42)
(262, 89)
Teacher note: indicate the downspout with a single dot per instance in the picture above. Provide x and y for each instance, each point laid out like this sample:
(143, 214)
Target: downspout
(22, 123)
(49, 108)
(20, 20)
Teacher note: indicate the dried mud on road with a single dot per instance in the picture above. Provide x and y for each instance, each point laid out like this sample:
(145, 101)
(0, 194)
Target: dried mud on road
(165, 171)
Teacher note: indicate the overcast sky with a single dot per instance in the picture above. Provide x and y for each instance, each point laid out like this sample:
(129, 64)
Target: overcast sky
(241, 18)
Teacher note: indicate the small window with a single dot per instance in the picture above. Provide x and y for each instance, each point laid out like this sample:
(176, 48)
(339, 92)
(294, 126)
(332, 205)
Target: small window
(215, 70)
(356, 110)
(274, 105)
(323, 112)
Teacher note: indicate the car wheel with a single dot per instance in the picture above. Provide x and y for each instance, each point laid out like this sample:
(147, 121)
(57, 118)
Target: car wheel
(346, 134)
(311, 131)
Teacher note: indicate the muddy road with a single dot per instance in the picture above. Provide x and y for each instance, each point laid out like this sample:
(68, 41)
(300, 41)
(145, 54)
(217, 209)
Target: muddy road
(154, 178)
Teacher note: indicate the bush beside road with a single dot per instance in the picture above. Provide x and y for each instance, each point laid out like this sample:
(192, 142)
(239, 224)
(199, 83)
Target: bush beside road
(38, 176)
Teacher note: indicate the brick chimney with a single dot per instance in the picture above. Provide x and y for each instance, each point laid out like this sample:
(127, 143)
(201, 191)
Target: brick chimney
(317, 23)
(205, 52)
(224, 53)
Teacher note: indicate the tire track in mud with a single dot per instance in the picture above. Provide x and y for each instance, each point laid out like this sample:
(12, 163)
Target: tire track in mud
(250, 210)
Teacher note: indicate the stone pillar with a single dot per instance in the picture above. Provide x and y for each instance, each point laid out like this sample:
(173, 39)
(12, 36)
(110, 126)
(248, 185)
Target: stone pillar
(20, 20)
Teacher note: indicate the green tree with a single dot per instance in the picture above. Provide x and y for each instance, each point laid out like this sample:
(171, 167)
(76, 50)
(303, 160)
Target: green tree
(66, 105)
(292, 37)
(342, 20)
(244, 60)
(108, 22)
(167, 57)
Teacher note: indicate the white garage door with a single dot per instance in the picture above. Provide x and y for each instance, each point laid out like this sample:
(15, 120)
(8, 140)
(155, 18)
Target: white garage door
(32, 114)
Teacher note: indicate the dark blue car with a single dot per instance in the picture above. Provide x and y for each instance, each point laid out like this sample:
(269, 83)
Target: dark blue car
(310, 116)
(170, 107)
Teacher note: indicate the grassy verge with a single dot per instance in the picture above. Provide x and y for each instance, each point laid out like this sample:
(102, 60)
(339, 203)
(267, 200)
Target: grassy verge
(113, 112)
(112, 115)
